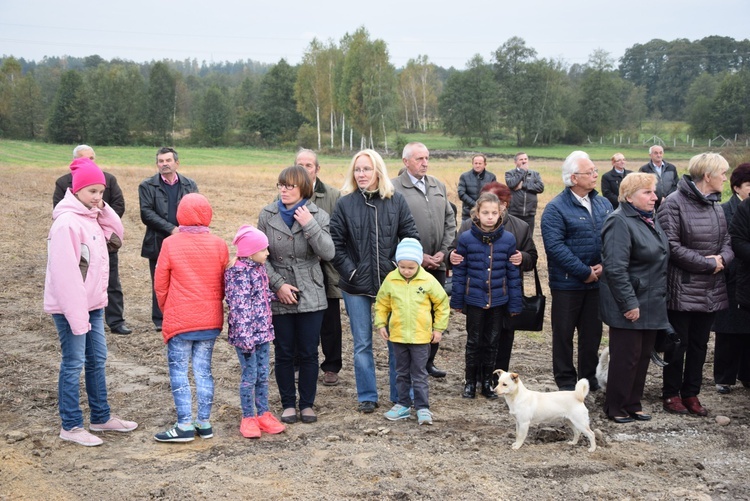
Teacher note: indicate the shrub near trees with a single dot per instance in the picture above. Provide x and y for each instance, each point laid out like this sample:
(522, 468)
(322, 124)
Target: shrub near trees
(347, 94)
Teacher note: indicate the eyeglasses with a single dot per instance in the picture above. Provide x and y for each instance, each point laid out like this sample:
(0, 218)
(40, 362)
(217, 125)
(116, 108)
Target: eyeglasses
(589, 173)
(364, 170)
(288, 187)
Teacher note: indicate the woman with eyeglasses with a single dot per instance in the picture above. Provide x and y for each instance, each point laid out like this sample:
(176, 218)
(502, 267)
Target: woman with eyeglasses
(369, 220)
(298, 239)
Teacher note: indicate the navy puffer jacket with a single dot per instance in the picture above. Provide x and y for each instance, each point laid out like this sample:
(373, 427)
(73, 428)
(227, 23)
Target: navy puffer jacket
(572, 239)
(486, 278)
(366, 229)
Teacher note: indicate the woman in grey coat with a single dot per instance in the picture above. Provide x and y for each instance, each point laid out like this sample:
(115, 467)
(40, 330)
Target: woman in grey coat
(699, 250)
(632, 294)
(298, 239)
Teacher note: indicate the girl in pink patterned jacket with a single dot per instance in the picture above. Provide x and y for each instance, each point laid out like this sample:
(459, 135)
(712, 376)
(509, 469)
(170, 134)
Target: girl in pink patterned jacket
(75, 293)
(248, 296)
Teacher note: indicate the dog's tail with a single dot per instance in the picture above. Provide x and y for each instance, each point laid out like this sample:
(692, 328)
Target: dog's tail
(582, 389)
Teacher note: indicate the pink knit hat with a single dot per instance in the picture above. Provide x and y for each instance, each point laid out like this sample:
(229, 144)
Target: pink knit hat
(249, 240)
(85, 173)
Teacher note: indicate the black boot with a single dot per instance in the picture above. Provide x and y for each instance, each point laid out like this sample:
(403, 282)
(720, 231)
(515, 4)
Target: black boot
(470, 384)
(487, 390)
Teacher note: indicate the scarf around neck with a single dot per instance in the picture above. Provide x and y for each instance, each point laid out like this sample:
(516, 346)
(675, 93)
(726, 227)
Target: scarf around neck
(288, 214)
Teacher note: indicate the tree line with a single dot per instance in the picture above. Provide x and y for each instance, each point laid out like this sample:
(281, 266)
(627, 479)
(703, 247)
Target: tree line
(347, 94)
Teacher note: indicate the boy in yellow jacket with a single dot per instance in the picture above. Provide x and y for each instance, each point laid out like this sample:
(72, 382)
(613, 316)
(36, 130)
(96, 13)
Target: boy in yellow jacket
(415, 307)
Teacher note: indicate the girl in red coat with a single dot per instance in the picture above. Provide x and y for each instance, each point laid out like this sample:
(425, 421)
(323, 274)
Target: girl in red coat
(189, 285)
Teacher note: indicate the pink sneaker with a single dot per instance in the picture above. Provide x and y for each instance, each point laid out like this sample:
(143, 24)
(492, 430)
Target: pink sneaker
(80, 436)
(269, 424)
(249, 427)
(115, 423)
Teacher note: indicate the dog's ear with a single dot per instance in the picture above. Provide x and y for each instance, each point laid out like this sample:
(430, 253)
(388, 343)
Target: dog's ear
(514, 377)
(499, 372)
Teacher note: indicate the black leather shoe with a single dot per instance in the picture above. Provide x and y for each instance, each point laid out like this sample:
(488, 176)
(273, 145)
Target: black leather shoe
(640, 416)
(367, 407)
(622, 420)
(434, 371)
(121, 329)
(723, 389)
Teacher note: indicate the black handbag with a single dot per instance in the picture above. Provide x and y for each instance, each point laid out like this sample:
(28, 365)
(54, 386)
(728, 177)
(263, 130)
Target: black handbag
(531, 317)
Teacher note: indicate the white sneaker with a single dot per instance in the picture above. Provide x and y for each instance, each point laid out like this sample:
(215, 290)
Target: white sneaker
(81, 437)
(424, 416)
(115, 423)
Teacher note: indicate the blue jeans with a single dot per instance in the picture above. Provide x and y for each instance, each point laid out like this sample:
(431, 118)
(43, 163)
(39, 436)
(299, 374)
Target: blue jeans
(297, 333)
(254, 381)
(359, 309)
(179, 353)
(89, 352)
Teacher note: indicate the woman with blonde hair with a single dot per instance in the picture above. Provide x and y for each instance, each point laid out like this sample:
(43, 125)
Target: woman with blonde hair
(699, 250)
(369, 220)
(632, 291)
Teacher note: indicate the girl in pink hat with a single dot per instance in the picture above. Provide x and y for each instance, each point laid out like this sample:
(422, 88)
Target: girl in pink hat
(250, 328)
(75, 294)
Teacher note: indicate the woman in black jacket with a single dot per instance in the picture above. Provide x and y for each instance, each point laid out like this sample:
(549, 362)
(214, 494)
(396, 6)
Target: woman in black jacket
(632, 293)
(732, 326)
(369, 220)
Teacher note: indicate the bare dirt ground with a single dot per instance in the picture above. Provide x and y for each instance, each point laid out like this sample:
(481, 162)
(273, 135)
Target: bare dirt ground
(345, 455)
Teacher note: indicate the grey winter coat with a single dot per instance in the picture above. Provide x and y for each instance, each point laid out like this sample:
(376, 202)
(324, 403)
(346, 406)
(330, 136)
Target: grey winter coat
(696, 227)
(469, 185)
(295, 256)
(634, 271)
(432, 213)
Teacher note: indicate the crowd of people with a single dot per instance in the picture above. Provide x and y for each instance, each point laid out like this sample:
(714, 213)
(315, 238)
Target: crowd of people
(653, 254)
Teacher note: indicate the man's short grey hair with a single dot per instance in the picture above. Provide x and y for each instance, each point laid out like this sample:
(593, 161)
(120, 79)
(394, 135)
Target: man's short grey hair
(651, 148)
(570, 165)
(311, 152)
(80, 149)
(406, 154)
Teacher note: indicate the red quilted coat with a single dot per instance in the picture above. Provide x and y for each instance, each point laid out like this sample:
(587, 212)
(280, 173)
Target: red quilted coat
(189, 278)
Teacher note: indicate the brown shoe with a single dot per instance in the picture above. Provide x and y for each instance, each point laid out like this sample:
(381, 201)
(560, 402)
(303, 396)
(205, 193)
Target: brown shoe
(330, 378)
(694, 406)
(674, 405)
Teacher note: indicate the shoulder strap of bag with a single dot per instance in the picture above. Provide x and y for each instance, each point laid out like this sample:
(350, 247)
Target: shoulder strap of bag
(537, 282)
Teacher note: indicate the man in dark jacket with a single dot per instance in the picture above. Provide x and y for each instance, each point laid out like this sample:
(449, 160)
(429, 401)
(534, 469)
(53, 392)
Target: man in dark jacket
(571, 230)
(470, 184)
(666, 173)
(113, 312)
(159, 196)
(612, 178)
(526, 184)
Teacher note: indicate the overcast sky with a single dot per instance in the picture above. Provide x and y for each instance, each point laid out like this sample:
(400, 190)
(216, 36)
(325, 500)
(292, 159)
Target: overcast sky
(449, 32)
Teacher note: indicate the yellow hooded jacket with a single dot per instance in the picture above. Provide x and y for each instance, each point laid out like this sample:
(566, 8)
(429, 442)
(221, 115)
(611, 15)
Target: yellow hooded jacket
(409, 305)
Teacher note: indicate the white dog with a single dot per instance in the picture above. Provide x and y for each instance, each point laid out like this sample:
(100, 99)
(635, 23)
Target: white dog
(532, 407)
(602, 369)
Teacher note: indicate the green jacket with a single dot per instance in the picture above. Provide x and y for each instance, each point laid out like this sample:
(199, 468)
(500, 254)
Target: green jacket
(409, 305)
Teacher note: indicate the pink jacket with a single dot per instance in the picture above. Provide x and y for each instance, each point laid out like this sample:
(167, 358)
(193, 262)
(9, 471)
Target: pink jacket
(78, 260)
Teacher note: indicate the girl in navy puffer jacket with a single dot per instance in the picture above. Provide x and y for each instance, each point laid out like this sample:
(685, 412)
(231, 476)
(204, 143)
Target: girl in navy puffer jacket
(486, 285)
